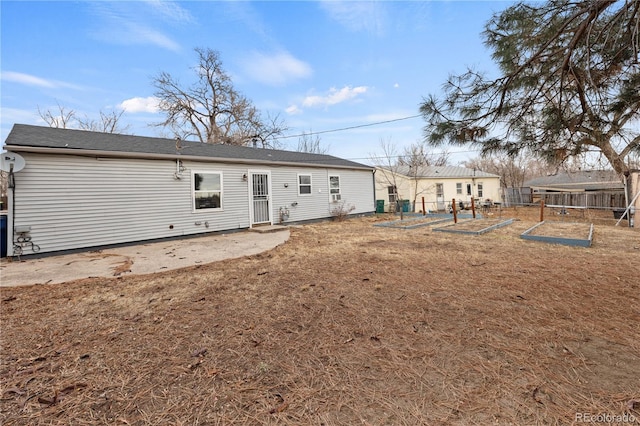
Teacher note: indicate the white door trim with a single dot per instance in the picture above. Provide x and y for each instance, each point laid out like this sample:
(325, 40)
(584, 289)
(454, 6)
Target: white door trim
(252, 211)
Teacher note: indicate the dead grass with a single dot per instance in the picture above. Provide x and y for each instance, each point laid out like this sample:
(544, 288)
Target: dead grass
(474, 225)
(345, 324)
(574, 230)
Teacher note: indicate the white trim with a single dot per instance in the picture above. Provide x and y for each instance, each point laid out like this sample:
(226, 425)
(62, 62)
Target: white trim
(250, 174)
(193, 191)
(331, 196)
(310, 184)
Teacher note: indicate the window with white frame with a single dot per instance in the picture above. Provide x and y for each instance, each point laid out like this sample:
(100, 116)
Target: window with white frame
(459, 188)
(304, 184)
(334, 188)
(207, 190)
(393, 194)
(480, 190)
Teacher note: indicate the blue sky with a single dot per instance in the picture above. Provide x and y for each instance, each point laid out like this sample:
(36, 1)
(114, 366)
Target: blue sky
(319, 65)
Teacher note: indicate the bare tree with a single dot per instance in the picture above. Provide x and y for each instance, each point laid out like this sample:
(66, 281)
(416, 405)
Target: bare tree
(309, 142)
(62, 118)
(210, 109)
(417, 158)
(405, 171)
(418, 155)
(109, 122)
(387, 170)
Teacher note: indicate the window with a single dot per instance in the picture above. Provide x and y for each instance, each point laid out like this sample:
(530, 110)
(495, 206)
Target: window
(207, 190)
(469, 189)
(393, 194)
(304, 184)
(459, 188)
(334, 188)
(480, 190)
(439, 190)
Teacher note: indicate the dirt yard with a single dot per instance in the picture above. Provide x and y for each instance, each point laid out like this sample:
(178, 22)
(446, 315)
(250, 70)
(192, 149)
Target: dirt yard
(344, 324)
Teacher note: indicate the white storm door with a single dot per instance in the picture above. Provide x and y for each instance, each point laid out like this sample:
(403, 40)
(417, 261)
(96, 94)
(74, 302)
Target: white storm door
(260, 198)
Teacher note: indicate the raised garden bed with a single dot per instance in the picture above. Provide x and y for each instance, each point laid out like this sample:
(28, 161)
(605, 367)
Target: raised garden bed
(414, 222)
(566, 233)
(475, 226)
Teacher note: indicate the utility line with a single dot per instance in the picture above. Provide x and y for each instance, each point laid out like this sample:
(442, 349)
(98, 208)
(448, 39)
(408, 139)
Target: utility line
(348, 128)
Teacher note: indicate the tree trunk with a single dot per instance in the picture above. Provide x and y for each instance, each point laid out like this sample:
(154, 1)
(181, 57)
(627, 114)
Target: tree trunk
(616, 161)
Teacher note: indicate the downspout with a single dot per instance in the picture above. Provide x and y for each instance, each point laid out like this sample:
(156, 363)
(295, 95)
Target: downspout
(373, 175)
(11, 184)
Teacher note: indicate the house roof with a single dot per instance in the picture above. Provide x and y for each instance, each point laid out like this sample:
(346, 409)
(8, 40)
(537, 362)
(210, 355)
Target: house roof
(590, 180)
(434, 172)
(27, 138)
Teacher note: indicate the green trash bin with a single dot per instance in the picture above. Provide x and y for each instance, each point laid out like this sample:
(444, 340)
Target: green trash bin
(379, 206)
(406, 204)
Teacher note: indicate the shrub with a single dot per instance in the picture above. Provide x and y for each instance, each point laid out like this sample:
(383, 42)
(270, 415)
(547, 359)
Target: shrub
(340, 211)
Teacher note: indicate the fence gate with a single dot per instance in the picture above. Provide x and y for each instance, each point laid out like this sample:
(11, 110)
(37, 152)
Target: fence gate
(260, 198)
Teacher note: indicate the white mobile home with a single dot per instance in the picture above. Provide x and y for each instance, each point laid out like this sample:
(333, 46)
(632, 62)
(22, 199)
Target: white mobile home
(81, 189)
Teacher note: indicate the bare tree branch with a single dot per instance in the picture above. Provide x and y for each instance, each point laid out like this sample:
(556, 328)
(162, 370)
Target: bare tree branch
(211, 110)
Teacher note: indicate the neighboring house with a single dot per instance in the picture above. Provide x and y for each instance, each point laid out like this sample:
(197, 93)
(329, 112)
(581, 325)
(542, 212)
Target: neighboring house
(439, 185)
(83, 189)
(595, 188)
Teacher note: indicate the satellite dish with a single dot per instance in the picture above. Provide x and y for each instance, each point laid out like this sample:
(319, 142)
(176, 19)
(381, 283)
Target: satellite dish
(11, 162)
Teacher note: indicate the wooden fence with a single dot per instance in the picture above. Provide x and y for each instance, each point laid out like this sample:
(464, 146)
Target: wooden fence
(590, 199)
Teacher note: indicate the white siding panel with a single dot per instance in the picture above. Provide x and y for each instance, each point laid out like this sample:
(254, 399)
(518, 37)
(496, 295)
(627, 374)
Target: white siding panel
(356, 189)
(75, 202)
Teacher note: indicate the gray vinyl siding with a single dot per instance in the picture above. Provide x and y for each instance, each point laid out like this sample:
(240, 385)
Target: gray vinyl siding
(74, 202)
(356, 188)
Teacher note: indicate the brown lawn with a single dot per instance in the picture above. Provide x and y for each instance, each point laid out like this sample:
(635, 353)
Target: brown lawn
(345, 324)
(570, 230)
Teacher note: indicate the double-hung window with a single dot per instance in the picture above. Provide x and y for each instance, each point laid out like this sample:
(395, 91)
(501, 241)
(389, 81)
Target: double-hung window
(207, 190)
(480, 191)
(304, 184)
(459, 188)
(393, 194)
(334, 188)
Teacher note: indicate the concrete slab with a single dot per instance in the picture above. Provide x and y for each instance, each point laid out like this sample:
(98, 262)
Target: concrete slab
(138, 259)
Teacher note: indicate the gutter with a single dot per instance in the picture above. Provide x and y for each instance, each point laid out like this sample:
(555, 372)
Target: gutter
(172, 157)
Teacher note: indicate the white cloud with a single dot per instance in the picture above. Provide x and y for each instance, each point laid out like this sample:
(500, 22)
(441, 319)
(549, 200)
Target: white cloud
(293, 110)
(335, 96)
(396, 85)
(171, 11)
(357, 15)
(131, 23)
(137, 104)
(275, 69)
(26, 79)
(32, 80)
(135, 33)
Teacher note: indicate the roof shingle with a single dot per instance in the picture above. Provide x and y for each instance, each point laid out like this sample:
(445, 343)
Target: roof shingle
(25, 136)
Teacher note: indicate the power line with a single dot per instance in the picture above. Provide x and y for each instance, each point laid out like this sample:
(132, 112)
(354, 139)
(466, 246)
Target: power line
(348, 128)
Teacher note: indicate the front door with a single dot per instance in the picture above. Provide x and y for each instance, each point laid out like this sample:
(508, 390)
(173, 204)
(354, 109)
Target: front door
(260, 198)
